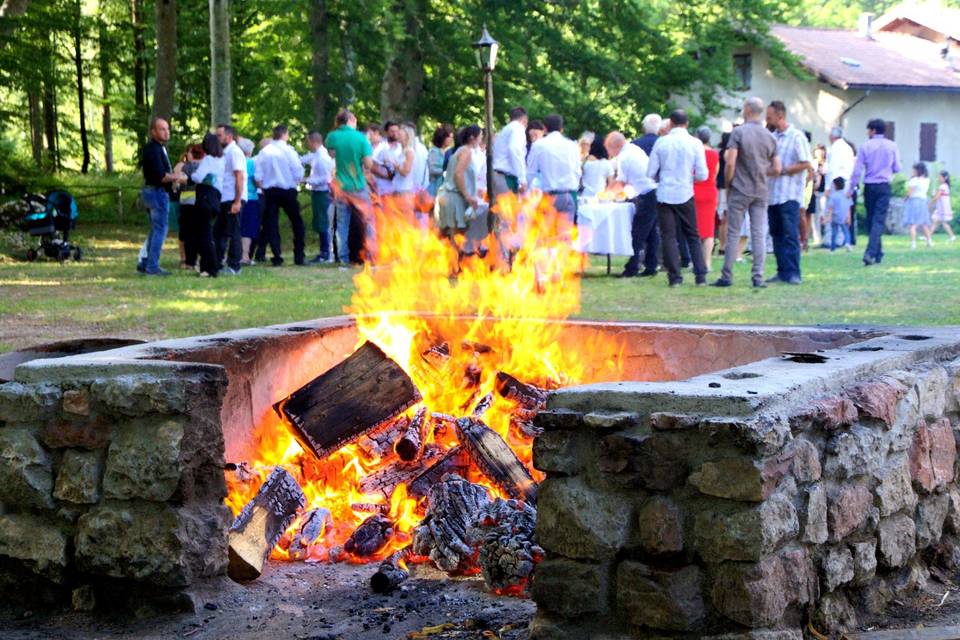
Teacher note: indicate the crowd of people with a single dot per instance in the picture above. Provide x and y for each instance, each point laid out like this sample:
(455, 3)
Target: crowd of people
(763, 185)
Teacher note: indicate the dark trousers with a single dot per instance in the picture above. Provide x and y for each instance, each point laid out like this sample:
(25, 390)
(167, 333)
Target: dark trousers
(784, 220)
(196, 226)
(852, 228)
(645, 235)
(680, 220)
(876, 200)
(226, 230)
(276, 199)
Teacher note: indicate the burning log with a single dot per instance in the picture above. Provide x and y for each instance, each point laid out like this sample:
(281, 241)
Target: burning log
(314, 524)
(530, 400)
(370, 507)
(261, 523)
(496, 460)
(391, 573)
(386, 479)
(370, 536)
(453, 461)
(437, 356)
(482, 406)
(350, 400)
(410, 446)
(504, 533)
(442, 422)
(379, 443)
(443, 534)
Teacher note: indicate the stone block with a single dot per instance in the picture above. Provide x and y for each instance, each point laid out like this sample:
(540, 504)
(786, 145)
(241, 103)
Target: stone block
(569, 588)
(952, 402)
(952, 523)
(861, 450)
(662, 421)
(143, 461)
(761, 634)
(558, 419)
(864, 560)
(931, 514)
(909, 580)
(878, 399)
(835, 614)
(832, 413)
(932, 455)
(805, 464)
(744, 533)
(848, 509)
(908, 416)
(83, 598)
(663, 600)
(91, 433)
(895, 490)
(897, 537)
(802, 583)
(26, 470)
(78, 477)
(611, 419)
(740, 478)
(576, 521)
(875, 596)
(658, 461)
(36, 543)
(762, 436)
(141, 394)
(751, 594)
(27, 402)
(76, 402)
(813, 515)
(660, 526)
(837, 567)
(563, 452)
(932, 389)
(153, 543)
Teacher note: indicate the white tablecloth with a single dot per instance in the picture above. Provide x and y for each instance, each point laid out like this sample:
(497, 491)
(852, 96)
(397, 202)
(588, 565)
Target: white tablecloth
(606, 228)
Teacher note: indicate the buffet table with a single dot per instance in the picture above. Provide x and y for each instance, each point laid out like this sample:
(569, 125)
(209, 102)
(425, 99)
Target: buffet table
(605, 229)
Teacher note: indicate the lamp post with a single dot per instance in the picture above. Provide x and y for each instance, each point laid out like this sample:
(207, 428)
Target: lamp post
(486, 49)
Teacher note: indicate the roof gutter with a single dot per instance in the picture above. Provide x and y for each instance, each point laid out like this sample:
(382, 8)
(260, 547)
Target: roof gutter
(851, 107)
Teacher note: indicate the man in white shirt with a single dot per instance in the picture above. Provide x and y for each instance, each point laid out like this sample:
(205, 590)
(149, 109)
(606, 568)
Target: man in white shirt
(677, 159)
(278, 172)
(555, 160)
(509, 154)
(840, 161)
(226, 229)
(385, 157)
(630, 174)
(318, 182)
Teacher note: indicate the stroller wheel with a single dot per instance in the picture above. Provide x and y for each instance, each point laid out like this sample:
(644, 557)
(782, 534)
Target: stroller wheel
(77, 254)
(31, 254)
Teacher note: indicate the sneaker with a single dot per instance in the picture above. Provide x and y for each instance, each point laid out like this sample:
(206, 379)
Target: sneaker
(628, 274)
(318, 259)
(141, 267)
(276, 262)
(647, 274)
(203, 274)
(848, 248)
(675, 284)
(913, 245)
(721, 282)
(701, 282)
(794, 280)
(775, 280)
(758, 283)
(158, 272)
(952, 239)
(929, 242)
(229, 271)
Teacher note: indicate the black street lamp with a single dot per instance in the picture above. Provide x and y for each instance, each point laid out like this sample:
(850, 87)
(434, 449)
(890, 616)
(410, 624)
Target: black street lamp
(486, 49)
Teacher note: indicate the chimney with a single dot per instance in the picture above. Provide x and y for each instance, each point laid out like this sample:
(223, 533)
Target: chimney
(865, 26)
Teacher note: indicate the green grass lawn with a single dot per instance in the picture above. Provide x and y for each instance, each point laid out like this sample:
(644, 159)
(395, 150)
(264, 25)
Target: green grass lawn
(103, 295)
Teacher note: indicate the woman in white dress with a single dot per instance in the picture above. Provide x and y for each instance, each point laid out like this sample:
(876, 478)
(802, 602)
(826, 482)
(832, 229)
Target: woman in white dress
(597, 170)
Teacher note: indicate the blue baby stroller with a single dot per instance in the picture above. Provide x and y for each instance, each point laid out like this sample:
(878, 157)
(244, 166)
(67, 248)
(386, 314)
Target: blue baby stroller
(52, 218)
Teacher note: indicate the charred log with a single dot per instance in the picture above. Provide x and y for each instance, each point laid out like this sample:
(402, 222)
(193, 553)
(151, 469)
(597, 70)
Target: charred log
(379, 444)
(482, 406)
(350, 400)
(261, 523)
(443, 536)
(442, 422)
(314, 524)
(453, 461)
(496, 460)
(391, 573)
(504, 534)
(370, 507)
(529, 399)
(386, 479)
(410, 446)
(437, 356)
(370, 536)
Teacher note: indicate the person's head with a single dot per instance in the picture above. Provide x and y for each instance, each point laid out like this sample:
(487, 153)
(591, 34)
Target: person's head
(703, 134)
(945, 177)
(246, 145)
(651, 123)
(212, 145)
(535, 131)
(679, 119)
(664, 127)
(280, 132)
(226, 133)
(409, 124)
(194, 152)
(777, 116)
(752, 110)
(518, 114)
(392, 131)
(614, 143)
(836, 133)
(314, 140)
(597, 150)
(553, 122)
(920, 170)
(443, 136)
(407, 136)
(264, 143)
(345, 118)
(585, 142)
(160, 130)
(876, 127)
(470, 136)
(373, 133)
(839, 183)
(724, 139)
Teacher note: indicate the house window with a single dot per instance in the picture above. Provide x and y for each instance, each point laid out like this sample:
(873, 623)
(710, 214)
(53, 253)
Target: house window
(928, 142)
(742, 71)
(891, 130)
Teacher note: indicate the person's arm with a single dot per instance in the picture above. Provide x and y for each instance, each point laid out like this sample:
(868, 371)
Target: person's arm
(653, 163)
(238, 191)
(460, 177)
(518, 151)
(858, 169)
(533, 161)
(730, 165)
(296, 167)
(775, 166)
(700, 170)
(407, 165)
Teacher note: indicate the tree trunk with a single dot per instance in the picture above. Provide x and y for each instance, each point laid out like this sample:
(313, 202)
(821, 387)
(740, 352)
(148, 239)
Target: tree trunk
(319, 67)
(48, 100)
(78, 61)
(13, 8)
(348, 94)
(105, 83)
(139, 60)
(36, 125)
(403, 80)
(166, 80)
(221, 95)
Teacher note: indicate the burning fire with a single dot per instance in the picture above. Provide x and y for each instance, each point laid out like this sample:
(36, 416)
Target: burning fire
(452, 323)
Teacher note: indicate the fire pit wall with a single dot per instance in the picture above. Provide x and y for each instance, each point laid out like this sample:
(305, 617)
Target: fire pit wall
(802, 488)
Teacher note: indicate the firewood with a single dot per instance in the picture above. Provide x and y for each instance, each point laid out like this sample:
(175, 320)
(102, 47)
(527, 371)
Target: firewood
(453, 461)
(370, 536)
(313, 524)
(385, 480)
(442, 422)
(437, 356)
(370, 507)
(503, 531)
(443, 534)
(261, 523)
(529, 399)
(410, 446)
(391, 573)
(350, 400)
(482, 406)
(378, 444)
(496, 460)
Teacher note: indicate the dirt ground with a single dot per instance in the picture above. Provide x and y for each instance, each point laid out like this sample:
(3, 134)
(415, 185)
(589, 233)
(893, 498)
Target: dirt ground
(305, 602)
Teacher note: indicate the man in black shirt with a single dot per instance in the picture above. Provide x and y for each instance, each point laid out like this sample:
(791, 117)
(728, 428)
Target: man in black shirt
(158, 179)
(645, 232)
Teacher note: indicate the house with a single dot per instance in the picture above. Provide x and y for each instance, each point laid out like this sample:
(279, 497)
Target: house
(902, 67)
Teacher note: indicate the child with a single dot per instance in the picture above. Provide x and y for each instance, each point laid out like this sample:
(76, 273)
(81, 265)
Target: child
(838, 209)
(942, 211)
(915, 210)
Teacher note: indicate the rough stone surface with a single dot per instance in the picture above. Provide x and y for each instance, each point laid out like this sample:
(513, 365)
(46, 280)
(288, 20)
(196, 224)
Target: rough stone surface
(813, 515)
(878, 399)
(848, 510)
(77, 402)
(735, 479)
(576, 521)
(835, 614)
(143, 461)
(27, 402)
(898, 540)
(665, 600)
(745, 534)
(952, 523)
(558, 419)
(875, 596)
(662, 421)
(932, 391)
(802, 583)
(140, 394)
(93, 433)
(570, 588)
(660, 526)
(895, 490)
(805, 465)
(864, 560)
(752, 594)
(909, 580)
(931, 514)
(657, 461)
(832, 412)
(564, 452)
(611, 420)
(78, 477)
(838, 567)
(861, 450)
(83, 598)
(933, 455)
(36, 543)
(26, 470)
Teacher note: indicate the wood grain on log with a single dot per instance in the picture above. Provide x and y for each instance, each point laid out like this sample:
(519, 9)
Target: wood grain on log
(391, 573)
(313, 524)
(410, 445)
(443, 534)
(529, 399)
(384, 480)
(370, 536)
(496, 460)
(453, 461)
(378, 444)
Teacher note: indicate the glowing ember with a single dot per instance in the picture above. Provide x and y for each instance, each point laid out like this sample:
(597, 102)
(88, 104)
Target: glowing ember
(452, 324)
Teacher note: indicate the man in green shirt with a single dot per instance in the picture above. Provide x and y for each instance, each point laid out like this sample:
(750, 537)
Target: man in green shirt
(353, 155)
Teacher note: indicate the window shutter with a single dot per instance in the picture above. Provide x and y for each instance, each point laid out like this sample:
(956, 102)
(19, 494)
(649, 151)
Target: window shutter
(891, 131)
(928, 142)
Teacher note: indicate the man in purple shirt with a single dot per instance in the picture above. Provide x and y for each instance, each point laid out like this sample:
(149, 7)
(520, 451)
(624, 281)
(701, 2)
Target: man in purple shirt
(876, 163)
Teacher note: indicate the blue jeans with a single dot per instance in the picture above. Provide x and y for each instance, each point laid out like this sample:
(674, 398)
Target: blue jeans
(876, 199)
(838, 228)
(348, 204)
(784, 220)
(157, 201)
